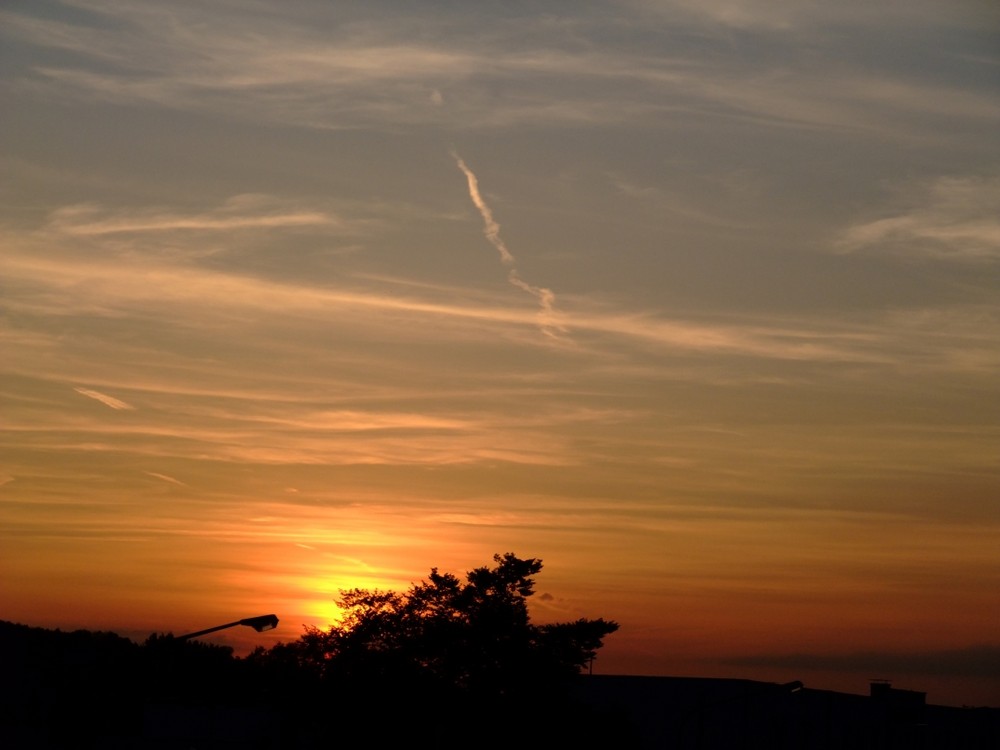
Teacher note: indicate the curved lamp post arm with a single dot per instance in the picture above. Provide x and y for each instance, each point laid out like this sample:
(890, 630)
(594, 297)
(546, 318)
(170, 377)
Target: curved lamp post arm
(260, 624)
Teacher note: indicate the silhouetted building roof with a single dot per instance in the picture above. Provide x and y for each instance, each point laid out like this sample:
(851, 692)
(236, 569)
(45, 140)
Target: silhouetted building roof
(707, 713)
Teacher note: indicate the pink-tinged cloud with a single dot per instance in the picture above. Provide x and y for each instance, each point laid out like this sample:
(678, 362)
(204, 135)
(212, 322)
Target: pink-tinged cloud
(105, 399)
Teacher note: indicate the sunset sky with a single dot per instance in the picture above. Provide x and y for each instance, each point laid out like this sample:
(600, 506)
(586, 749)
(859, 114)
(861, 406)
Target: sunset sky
(698, 301)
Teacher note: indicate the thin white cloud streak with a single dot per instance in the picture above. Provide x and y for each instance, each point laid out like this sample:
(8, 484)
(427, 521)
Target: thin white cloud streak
(166, 478)
(109, 401)
(546, 298)
(952, 218)
(281, 411)
(231, 441)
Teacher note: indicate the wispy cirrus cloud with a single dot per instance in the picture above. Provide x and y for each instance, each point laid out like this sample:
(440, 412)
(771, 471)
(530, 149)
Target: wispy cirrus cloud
(153, 285)
(204, 59)
(677, 204)
(195, 296)
(248, 438)
(240, 212)
(951, 218)
(801, 16)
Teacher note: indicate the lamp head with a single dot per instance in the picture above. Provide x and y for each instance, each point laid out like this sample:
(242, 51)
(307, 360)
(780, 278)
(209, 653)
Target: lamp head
(262, 623)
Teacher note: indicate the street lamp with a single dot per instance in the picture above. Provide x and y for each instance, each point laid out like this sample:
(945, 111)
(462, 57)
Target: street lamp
(260, 624)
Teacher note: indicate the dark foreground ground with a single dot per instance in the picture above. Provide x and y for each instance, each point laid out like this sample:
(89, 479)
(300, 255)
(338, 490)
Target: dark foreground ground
(97, 690)
(687, 712)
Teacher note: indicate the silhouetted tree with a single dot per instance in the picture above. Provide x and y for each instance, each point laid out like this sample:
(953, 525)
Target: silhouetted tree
(445, 638)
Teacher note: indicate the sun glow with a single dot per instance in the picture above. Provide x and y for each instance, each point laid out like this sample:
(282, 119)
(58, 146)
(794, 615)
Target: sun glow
(312, 579)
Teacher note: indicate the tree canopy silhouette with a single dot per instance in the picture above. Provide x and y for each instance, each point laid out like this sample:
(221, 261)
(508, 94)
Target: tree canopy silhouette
(445, 635)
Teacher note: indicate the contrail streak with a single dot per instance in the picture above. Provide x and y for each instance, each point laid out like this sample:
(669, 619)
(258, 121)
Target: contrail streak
(546, 298)
(490, 228)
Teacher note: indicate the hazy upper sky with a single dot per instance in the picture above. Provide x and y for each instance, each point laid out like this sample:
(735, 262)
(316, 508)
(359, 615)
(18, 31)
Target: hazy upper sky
(696, 300)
